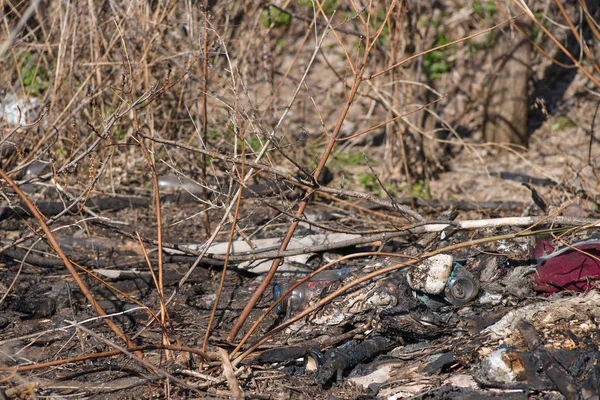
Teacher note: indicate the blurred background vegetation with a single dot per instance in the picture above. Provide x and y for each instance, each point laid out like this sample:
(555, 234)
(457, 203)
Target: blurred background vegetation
(215, 74)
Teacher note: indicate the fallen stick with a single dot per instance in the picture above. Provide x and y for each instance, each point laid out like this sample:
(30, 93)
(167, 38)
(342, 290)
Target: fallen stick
(234, 386)
(324, 242)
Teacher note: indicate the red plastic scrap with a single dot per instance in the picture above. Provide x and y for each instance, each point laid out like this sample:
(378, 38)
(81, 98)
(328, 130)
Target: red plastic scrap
(570, 268)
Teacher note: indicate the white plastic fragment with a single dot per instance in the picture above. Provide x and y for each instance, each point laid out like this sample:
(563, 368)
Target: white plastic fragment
(380, 375)
(498, 368)
(9, 109)
(490, 298)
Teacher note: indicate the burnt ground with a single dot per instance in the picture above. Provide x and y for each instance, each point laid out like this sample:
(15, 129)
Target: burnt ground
(41, 298)
(530, 330)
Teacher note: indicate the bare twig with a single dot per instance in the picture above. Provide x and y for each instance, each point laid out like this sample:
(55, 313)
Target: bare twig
(234, 386)
(251, 172)
(84, 289)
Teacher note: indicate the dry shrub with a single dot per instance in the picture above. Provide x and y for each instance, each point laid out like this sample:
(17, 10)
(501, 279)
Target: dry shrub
(76, 57)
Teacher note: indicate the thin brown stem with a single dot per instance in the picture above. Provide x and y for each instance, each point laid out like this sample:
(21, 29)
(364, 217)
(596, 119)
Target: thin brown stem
(205, 115)
(383, 71)
(302, 207)
(84, 289)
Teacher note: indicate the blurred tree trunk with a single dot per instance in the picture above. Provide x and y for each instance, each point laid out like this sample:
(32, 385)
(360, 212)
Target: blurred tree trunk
(506, 107)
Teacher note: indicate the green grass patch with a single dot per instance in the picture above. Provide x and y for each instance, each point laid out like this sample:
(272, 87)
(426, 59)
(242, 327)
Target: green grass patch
(561, 123)
(435, 63)
(213, 134)
(368, 181)
(537, 31)
(254, 142)
(392, 190)
(425, 20)
(35, 79)
(349, 159)
(421, 190)
(275, 17)
(384, 37)
(370, 184)
(485, 9)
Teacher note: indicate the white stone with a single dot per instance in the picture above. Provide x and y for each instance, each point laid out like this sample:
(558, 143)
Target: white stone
(431, 275)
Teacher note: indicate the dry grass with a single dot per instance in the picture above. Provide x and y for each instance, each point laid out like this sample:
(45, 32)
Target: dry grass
(76, 60)
(241, 80)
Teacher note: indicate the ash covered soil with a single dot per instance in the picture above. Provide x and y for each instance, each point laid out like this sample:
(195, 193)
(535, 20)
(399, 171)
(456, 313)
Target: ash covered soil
(476, 309)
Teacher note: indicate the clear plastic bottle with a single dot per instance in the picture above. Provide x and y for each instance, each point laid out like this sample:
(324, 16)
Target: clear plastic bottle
(173, 182)
(301, 296)
(34, 170)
